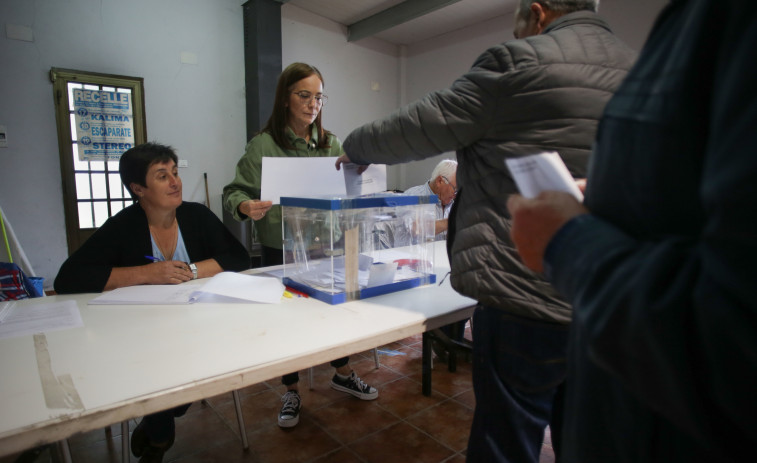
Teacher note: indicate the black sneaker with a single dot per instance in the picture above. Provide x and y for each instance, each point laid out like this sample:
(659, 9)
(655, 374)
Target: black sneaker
(355, 386)
(289, 415)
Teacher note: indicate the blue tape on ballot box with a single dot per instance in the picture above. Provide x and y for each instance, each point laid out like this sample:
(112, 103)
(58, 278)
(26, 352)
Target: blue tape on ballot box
(364, 293)
(332, 203)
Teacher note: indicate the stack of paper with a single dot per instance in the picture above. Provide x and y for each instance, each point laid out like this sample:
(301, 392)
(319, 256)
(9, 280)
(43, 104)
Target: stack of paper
(224, 287)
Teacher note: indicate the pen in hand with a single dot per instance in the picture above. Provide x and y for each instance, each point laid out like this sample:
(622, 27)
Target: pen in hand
(154, 259)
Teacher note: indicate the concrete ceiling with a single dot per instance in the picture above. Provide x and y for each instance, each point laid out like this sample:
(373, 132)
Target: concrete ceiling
(404, 22)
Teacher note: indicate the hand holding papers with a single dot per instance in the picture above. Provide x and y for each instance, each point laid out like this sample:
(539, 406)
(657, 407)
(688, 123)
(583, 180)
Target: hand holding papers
(224, 287)
(542, 172)
(372, 180)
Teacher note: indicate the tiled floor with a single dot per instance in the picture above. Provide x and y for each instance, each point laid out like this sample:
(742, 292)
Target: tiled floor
(401, 425)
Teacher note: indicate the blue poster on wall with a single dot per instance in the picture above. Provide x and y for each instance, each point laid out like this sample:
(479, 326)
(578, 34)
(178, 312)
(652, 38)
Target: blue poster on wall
(104, 124)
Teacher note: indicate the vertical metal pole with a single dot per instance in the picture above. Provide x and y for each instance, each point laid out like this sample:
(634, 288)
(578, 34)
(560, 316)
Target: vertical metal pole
(125, 451)
(240, 420)
(65, 450)
(426, 365)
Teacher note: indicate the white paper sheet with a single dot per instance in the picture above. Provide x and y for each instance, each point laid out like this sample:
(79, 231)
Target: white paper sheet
(373, 180)
(224, 287)
(23, 319)
(542, 172)
(381, 274)
(300, 177)
(244, 287)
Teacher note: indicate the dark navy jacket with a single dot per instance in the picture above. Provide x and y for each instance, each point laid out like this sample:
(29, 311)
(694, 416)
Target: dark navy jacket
(662, 274)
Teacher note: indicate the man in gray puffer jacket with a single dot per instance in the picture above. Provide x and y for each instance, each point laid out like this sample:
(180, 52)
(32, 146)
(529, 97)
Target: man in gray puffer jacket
(543, 92)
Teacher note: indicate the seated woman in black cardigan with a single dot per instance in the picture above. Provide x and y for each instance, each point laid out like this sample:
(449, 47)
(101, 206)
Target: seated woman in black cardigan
(157, 240)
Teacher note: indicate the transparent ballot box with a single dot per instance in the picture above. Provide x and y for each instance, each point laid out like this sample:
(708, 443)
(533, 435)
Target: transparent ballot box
(339, 249)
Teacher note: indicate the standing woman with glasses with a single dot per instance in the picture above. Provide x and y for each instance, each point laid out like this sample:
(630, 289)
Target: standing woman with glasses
(293, 130)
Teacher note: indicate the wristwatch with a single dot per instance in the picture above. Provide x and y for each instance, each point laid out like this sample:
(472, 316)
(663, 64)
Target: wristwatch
(193, 268)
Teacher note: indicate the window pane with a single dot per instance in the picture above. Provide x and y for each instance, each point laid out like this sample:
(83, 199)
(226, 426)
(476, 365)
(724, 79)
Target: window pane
(71, 87)
(99, 189)
(109, 89)
(73, 127)
(113, 166)
(101, 213)
(82, 186)
(91, 87)
(115, 186)
(116, 206)
(85, 215)
(97, 165)
(78, 165)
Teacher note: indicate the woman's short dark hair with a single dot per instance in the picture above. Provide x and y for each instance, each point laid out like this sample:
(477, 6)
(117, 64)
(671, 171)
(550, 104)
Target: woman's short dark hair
(277, 123)
(136, 161)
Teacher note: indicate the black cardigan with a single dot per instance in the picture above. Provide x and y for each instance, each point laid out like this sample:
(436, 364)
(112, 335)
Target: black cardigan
(124, 241)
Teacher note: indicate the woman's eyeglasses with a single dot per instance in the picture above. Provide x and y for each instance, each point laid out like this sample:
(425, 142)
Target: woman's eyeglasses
(306, 97)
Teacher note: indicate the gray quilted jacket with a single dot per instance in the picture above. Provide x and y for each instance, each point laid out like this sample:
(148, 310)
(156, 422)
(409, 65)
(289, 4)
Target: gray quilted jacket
(545, 92)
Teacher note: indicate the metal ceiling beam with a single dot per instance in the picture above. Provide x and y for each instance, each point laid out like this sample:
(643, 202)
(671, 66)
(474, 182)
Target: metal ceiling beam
(394, 16)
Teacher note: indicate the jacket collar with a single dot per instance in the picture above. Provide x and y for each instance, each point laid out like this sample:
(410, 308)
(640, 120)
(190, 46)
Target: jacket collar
(577, 17)
(292, 138)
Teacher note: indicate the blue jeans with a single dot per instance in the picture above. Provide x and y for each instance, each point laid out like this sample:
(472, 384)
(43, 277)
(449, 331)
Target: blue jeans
(519, 368)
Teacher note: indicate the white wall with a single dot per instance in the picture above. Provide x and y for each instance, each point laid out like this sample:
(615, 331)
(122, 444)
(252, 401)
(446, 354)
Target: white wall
(199, 109)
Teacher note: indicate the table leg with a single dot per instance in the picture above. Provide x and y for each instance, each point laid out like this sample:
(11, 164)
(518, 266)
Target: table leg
(125, 450)
(65, 450)
(240, 419)
(426, 365)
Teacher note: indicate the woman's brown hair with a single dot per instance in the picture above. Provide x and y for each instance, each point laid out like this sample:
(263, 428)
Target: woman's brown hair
(277, 123)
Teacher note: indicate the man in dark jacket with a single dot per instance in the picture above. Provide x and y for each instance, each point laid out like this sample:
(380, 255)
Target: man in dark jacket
(543, 92)
(659, 261)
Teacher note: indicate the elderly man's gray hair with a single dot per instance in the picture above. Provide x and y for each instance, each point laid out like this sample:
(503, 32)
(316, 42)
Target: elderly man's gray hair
(445, 168)
(561, 6)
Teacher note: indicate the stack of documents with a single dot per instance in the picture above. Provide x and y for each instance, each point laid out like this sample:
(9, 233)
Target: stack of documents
(37, 315)
(226, 287)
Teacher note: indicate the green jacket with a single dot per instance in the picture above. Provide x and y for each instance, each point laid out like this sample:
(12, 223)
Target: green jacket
(246, 183)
